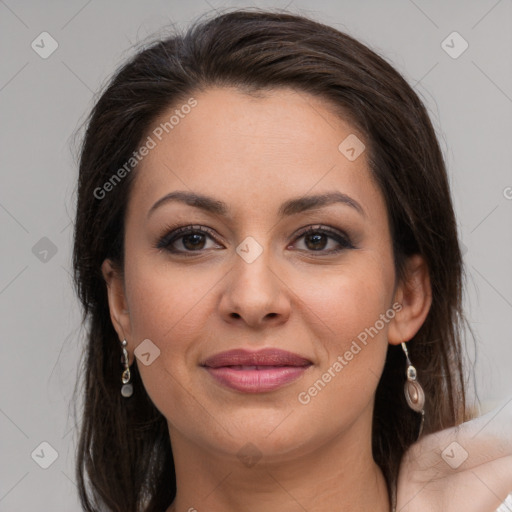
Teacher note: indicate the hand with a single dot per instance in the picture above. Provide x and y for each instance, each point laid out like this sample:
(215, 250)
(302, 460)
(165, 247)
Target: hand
(461, 469)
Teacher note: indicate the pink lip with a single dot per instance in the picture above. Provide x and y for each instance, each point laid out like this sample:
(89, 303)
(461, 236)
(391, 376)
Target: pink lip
(256, 372)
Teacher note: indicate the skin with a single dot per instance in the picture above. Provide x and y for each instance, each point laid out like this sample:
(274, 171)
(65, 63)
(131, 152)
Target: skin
(467, 467)
(254, 154)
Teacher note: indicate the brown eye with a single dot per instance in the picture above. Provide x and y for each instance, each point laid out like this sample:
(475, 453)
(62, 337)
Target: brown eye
(317, 239)
(186, 239)
(193, 241)
(189, 239)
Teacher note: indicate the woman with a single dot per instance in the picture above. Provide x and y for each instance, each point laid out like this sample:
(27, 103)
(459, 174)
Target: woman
(267, 256)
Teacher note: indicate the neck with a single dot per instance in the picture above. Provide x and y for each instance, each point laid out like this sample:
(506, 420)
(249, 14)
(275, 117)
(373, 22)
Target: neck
(339, 475)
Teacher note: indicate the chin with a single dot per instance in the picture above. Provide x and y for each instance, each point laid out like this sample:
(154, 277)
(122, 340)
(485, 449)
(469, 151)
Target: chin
(275, 435)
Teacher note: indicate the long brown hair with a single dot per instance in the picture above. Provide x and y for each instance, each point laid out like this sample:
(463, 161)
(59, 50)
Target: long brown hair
(124, 457)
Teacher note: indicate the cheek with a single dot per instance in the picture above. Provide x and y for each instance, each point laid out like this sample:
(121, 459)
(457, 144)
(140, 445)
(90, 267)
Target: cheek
(165, 300)
(170, 306)
(168, 309)
(353, 311)
(349, 299)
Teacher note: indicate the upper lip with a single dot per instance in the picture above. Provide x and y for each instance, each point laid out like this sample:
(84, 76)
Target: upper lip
(263, 357)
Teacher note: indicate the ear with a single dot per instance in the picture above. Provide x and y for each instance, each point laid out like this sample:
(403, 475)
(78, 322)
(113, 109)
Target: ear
(414, 293)
(119, 313)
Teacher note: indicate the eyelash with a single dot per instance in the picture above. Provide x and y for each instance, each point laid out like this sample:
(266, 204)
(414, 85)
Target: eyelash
(176, 234)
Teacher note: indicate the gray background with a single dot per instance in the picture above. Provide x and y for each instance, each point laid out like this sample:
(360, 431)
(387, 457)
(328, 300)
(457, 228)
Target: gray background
(43, 101)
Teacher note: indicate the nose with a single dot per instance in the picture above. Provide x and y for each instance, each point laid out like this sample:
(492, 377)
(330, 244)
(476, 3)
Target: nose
(255, 294)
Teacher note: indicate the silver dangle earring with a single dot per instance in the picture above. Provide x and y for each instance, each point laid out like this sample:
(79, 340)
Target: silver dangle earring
(414, 393)
(127, 388)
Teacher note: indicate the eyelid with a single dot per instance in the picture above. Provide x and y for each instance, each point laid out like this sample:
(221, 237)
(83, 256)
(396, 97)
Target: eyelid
(342, 238)
(323, 228)
(176, 232)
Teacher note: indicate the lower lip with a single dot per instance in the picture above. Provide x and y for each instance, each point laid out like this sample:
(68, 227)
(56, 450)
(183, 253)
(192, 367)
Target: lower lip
(257, 381)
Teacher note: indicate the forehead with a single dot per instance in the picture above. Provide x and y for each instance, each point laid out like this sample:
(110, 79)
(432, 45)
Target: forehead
(241, 148)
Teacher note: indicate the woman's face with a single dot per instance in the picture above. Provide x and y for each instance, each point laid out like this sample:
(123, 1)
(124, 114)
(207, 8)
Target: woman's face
(252, 280)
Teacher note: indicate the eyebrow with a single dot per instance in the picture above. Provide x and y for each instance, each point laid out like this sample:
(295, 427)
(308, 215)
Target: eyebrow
(290, 207)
